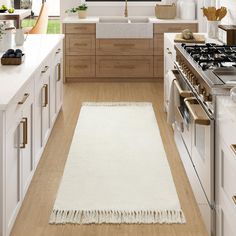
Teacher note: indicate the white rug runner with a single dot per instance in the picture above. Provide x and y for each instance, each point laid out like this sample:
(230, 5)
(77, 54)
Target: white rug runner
(117, 170)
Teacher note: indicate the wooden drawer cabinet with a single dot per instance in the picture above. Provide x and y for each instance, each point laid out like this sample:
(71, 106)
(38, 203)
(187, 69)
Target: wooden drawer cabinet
(158, 44)
(80, 28)
(80, 44)
(124, 47)
(172, 28)
(80, 66)
(124, 66)
(158, 66)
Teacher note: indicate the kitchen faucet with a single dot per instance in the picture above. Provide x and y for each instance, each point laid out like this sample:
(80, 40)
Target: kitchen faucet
(126, 8)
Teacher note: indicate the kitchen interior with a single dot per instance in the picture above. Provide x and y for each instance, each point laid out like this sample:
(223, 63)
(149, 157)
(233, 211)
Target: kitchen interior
(178, 55)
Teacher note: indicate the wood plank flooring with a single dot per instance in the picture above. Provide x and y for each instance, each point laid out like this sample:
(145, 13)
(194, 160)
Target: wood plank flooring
(34, 215)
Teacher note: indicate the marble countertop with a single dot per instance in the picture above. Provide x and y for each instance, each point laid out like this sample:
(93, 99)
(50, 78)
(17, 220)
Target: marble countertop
(12, 78)
(95, 19)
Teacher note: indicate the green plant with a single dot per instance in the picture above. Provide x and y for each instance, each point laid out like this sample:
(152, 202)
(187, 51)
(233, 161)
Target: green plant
(82, 7)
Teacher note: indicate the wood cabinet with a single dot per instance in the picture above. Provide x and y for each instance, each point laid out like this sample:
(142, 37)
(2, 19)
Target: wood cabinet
(80, 44)
(124, 66)
(124, 47)
(88, 58)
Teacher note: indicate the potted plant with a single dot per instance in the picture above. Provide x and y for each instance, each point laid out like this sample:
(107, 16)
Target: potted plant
(82, 11)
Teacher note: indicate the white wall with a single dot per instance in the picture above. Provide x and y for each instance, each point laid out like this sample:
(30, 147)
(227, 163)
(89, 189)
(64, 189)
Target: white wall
(53, 6)
(230, 18)
(5, 2)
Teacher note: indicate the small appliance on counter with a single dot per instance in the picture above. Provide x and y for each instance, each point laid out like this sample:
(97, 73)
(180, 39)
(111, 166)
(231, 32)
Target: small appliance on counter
(227, 34)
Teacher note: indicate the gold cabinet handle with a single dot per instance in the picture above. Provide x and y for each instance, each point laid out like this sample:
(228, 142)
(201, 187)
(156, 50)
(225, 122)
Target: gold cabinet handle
(182, 93)
(58, 51)
(26, 95)
(124, 67)
(58, 71)
(24, 123)
(124, 45)
(45, 89)
(81, 44)
(234, 199)
(199, 116)
(45, 69)
(233, 147)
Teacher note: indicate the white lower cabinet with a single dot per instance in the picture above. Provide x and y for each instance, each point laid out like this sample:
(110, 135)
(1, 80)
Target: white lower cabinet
(19, 153)
(25, 126)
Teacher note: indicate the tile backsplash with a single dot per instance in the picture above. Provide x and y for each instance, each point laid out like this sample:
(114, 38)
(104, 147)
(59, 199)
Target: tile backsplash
(231, 16)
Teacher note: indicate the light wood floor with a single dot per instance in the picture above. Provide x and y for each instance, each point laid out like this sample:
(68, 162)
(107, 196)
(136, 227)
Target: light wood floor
(34, 215)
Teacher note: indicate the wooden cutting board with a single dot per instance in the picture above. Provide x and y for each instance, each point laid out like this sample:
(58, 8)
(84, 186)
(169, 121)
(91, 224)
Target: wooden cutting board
(197, 38)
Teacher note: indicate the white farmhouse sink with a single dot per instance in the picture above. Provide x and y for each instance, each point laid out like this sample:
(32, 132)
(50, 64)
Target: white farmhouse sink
(122, 27)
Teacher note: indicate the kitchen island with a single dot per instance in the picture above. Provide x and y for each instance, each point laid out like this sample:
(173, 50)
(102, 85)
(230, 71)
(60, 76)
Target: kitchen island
(31, 96)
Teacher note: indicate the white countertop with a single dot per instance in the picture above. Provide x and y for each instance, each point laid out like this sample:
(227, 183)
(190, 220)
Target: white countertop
(21, 13)
(95, 19)
(13, 78)
(171, 37)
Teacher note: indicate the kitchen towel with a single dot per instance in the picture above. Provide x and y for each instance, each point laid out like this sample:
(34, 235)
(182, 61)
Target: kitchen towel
(117, 170)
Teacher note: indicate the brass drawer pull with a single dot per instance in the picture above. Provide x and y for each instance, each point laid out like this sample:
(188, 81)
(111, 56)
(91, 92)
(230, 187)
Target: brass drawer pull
(45, 89)
(81, 66)
(45, 69)
(58, 51)
(81, 44)
(202, 119)
(124, 67)
(80, 28)
(233, 147)
(26, 95)
(124, 44)
(234, 199)
(182, 93)
(58, 71)
(24, 123)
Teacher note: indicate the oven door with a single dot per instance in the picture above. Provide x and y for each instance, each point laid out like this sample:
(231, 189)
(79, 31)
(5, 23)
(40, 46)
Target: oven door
(202, 146)
(182, 118)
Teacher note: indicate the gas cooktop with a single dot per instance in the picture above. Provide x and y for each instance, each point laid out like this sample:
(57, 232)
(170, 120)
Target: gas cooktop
(212, 56)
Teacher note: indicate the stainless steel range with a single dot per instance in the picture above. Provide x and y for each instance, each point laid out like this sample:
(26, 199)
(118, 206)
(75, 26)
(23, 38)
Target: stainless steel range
(202, 73)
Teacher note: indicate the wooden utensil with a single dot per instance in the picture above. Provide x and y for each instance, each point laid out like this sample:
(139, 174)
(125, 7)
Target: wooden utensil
(222, 13)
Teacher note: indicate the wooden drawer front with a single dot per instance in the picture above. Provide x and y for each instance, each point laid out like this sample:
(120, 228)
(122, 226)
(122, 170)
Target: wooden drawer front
(124, 47)
(158, 66)
(124, 66)
(80, 66)
(80, 28)
(22, 98)
(172, 28)
(227, 173)
(158, 44)
(80, 44)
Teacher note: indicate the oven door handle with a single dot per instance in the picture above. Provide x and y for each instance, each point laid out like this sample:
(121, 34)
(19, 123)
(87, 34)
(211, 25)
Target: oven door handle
(197, 112)
(182, 93)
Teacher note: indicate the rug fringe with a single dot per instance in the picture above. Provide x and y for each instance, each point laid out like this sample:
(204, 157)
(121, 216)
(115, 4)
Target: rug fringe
(116, 217)
(116, 104)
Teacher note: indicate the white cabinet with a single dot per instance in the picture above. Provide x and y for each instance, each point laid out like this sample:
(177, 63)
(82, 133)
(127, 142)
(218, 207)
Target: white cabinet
(225, 166)
(26, 121)
(56, 83)
(19, 152)
(169, 58)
